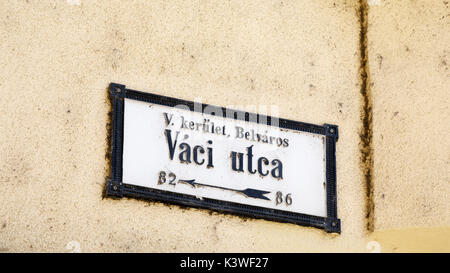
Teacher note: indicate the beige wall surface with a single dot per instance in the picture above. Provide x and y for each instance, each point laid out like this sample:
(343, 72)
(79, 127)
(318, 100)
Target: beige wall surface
(408, 45)
(57, 59)
(410, 57)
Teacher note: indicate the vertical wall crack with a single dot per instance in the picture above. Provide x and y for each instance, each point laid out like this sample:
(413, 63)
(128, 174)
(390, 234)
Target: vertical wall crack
(366, 115)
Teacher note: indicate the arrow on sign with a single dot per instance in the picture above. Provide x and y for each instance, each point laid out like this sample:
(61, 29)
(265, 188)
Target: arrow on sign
(247, 192)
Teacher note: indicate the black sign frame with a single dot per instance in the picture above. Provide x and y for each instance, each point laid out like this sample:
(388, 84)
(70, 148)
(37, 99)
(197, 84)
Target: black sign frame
(117, 189)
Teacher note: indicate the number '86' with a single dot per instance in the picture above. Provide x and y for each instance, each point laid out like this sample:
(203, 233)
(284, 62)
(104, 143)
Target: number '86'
(279, 198)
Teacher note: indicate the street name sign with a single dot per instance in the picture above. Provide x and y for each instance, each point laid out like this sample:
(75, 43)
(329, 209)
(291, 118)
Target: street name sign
(199, 155)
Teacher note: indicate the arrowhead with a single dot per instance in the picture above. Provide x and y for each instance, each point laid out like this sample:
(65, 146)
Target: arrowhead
(256, 193)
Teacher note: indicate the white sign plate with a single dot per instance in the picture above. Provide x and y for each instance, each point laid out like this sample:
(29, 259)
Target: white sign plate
(204, 156)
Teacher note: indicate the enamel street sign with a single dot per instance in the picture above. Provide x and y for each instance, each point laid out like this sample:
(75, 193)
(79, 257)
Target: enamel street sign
(199, 155)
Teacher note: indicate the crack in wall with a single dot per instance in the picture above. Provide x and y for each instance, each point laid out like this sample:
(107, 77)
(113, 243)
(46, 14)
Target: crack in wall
(366, 116)
(109, 136)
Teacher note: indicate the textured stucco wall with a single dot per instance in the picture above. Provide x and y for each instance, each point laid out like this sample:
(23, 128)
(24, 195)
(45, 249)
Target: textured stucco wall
(57, 59)
(410, 57)
(410, 83)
